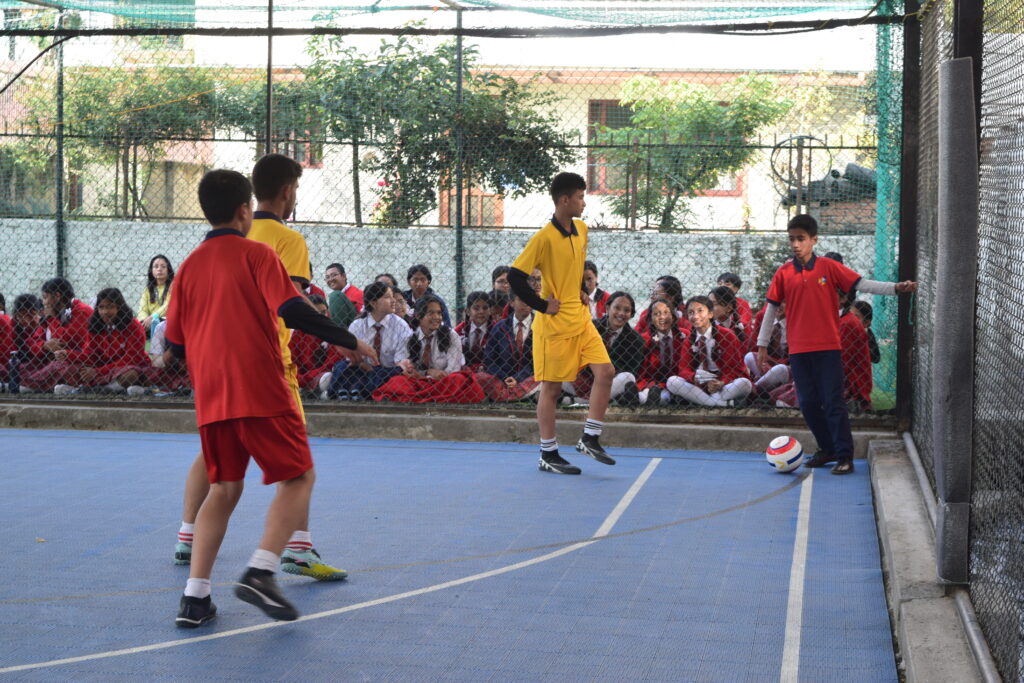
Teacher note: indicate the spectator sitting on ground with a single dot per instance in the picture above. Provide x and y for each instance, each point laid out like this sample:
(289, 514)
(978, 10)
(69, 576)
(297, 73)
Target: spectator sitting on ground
(156, 296)
(338, 281)
(507, 373)
(733, 282)
(667, 288)
(66, 323)
(400, 307)
(313, 357)
(726, 314)
(27, 338)
(419, 279)
(598, 297)
(341, 308)
(384, 277)
(474, 329)
(499, 280)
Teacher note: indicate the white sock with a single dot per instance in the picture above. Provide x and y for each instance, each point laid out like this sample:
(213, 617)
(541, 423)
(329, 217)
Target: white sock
(185, 533)
(593, 427)
(197, 588)
(300, 541)
(264, 559)
(549, 445)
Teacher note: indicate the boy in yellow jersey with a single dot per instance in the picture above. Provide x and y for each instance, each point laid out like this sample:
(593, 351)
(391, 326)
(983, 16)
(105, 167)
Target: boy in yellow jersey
(275, 180)
(564, 338)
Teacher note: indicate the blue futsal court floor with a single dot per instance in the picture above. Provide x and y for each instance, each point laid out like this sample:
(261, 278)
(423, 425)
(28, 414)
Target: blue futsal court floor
(466, 563)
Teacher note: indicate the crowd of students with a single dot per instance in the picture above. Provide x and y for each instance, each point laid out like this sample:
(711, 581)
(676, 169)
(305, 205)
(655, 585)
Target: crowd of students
(697, 350)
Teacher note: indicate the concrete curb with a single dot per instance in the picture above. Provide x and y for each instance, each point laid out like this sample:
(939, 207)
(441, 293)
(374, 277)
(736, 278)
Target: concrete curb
(931, 641)
(516, 428)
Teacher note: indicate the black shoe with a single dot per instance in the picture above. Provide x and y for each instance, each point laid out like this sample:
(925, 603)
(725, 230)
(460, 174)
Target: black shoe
(630, 396)
(195, 611)
(589, 445)
(844, 466)
(551, 461)
(257, 587)
(820, 459)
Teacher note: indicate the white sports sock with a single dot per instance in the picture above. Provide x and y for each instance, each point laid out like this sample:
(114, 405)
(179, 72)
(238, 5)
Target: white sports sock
(548, 445)
(264, 559)
(593, 427)
(300, 540)
(185, 533)
(197, 588)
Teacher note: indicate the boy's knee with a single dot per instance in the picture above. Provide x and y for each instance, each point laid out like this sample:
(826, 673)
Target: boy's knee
(603, 372)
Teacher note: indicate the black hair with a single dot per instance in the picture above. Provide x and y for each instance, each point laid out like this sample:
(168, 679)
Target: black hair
(272, 173)
(618, 295)
(835, 256)
(124, 316)
(443, 337)
(703, 301)
(3, 303)
(726, 297)
(221, 192)
(391, 278)
(732, 278)
(674, 329)
(804, 222)
(590, 265)
(498, 272)
(473, 297)
(419, 268)
(865, 310)
(373, 292)
(61, 287)
(565, 184)
(316, 299)
(499, 300)
(26, 302)
(151, 284)
(341, 268)
(673, 290)
(716, 353)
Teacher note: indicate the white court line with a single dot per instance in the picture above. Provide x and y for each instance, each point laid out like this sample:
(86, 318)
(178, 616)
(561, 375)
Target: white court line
(605, 527)
(795, 608)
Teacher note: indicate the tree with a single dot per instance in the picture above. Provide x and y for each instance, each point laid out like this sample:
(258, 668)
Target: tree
(682, 137)
(402, 101)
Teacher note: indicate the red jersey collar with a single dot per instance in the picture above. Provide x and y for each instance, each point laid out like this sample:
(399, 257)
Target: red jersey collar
(221, 232)
(810, 264)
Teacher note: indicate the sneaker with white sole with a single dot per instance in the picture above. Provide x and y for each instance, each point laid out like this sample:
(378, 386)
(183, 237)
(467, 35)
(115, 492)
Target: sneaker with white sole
(65, 390)
(195, 612)
(589, 444)
(258, 587)
(308, 563)
(135, 390)
(551, 461)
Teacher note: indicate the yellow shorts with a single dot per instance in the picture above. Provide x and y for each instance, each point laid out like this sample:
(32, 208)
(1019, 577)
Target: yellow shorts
(291, 373)
(560, 360)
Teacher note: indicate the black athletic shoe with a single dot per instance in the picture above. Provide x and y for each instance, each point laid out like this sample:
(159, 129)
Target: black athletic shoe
(820, 459)
(195, 611)
(551, 461)
(630, 396)
(257, 587)
(844, 466)
(590, 445)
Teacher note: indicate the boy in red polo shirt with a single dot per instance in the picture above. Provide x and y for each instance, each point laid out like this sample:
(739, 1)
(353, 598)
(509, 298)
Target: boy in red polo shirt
(808, 285)
(227, 297)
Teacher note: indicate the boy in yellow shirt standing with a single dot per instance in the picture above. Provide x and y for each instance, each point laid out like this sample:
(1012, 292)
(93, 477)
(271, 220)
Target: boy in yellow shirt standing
(564, 338)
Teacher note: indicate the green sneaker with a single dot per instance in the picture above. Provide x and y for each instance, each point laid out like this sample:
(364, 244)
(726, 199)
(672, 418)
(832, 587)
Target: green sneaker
(308, 563)
(183, 553)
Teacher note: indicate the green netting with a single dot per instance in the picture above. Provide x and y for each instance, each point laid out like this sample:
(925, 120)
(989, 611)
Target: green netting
(186, 13)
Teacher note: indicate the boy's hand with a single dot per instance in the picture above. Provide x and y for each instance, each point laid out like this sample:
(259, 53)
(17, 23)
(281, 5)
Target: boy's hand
(511, 382)
(585, 298)
(60, 354)
(434, 373)
(363, 351)
(715, 385)
(762, 358)
(53, 344)
(553, 306)
(906, 287)
(87, 374)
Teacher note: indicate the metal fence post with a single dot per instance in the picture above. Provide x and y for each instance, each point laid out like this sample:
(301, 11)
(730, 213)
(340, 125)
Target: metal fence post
(59, 161)
(460, 294)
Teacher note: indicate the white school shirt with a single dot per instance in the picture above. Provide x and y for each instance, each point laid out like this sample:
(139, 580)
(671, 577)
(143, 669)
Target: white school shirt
(527, 323)
(394, 334)
(709, 342)
(450, 361)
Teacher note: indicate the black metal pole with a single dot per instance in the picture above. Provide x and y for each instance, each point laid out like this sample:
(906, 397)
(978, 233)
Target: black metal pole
(270, 76)
(908, 217)
(968, 41)
(459, 161)
(59, 162)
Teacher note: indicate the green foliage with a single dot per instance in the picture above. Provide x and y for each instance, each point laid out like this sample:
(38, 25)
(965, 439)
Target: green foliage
(403, 102)
(682, 137)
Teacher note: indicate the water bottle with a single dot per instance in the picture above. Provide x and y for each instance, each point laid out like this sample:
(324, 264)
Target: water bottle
(14, 373)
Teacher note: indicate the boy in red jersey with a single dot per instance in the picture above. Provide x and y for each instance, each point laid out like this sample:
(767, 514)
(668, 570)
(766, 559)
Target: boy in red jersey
(808, 285)
(228, 295)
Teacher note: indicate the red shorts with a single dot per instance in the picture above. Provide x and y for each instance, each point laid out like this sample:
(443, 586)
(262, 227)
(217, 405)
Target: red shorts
(278, 445)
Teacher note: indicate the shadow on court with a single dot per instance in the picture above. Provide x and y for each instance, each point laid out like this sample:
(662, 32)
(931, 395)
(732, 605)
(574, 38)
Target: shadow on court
(466, 563)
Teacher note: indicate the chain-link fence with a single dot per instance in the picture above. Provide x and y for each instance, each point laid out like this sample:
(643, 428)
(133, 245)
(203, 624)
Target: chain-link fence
(437, 151)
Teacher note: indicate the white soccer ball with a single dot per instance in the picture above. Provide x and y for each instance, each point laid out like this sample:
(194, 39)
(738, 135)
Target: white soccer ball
(785, 454)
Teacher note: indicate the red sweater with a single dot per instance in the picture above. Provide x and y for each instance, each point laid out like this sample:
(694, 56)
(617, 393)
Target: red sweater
(74, 331)
(651, 372)
(6, 339)
(310, 356)
(112, 349)
(727, 354)
(856, 355)
(777, 353)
